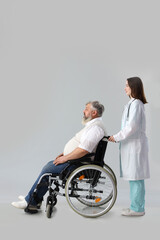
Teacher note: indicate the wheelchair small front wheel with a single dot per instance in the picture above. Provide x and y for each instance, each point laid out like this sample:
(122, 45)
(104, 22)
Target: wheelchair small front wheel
(51, 202)
(91, 191)
(49, 210)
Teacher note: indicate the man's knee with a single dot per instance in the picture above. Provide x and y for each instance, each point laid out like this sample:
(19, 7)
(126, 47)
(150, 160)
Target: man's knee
(48, 167)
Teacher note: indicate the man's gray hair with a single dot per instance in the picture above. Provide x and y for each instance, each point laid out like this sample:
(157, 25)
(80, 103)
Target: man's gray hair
(97, 106)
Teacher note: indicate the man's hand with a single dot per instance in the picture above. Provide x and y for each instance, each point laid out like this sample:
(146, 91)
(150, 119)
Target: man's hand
(59, 160)
(75, 154)
(60, 155)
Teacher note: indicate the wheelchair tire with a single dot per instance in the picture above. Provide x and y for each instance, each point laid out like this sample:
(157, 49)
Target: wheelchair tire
(49, 210)
(91, 191)
(111, 172)
(51, 202)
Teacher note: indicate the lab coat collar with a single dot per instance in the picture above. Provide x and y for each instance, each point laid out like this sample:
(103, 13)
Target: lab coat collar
(131, 100)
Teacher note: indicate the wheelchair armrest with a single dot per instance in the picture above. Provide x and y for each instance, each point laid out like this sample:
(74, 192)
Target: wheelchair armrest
(76, 163)
(86, 158)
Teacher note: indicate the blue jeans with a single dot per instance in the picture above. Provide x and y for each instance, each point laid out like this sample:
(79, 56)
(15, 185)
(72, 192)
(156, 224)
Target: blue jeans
(137, 195)
(48, 168)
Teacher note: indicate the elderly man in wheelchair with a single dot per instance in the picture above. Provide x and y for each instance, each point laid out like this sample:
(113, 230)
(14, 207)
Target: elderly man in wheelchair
(79, 173)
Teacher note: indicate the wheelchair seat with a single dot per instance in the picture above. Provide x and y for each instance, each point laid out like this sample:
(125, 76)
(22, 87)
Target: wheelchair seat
(91, 158)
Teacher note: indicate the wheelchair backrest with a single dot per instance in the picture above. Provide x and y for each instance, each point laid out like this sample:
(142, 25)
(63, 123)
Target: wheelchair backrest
(100, 151)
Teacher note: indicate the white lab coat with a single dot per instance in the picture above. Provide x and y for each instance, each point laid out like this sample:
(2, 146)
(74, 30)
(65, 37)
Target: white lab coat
(134, 163)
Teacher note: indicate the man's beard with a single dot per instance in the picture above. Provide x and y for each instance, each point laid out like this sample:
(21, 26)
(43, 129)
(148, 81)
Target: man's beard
(85, 120)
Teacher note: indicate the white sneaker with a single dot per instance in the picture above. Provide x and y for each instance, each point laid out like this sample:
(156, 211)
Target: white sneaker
(21, 197)
(21, 204)
(129, 212)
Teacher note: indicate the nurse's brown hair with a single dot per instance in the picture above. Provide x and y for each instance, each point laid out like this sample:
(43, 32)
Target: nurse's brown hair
(137, 90)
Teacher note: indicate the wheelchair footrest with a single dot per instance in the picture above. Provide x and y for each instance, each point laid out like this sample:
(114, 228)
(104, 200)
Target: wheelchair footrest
(31, 209)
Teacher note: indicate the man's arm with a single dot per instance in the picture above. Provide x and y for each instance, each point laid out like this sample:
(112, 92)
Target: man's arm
(75, 154)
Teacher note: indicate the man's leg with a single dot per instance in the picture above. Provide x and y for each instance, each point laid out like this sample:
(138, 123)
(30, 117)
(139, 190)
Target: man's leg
(43, 188)
(48, 168)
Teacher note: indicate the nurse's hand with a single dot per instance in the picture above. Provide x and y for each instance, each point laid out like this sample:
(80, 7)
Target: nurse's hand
(111, 139)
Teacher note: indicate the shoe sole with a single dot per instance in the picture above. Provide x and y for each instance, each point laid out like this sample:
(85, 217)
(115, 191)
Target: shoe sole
(133, 215)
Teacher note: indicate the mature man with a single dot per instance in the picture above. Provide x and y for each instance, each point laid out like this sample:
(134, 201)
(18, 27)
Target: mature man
(82, 143)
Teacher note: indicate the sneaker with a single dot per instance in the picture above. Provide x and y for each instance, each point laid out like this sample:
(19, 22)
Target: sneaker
(39, 205)
(21, 204)
(21, 197)
(129, 212)
(31, 209)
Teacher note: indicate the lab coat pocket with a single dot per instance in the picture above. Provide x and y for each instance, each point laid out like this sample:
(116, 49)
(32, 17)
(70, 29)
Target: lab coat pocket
(135, 146)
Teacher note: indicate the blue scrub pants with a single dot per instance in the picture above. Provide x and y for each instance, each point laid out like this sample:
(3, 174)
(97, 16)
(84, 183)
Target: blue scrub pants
(137, 195)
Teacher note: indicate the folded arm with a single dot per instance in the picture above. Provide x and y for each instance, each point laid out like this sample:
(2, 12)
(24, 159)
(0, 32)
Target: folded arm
(75, 154)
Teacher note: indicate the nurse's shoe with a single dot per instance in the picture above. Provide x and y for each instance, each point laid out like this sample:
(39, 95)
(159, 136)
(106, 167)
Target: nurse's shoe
(21, 204)
(129, 212)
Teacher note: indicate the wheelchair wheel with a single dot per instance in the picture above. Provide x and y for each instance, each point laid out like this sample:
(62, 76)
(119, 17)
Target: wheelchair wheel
(49, 210)
(51, 202)
(111, 172)
(108, 198)
(91, 191)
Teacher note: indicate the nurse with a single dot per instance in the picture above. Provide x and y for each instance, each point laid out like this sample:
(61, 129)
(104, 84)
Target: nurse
(134, 165)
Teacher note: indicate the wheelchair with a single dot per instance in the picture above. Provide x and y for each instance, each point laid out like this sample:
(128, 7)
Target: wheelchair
(89, 185)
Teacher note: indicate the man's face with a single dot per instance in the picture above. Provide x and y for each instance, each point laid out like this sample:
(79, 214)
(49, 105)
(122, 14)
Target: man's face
(87, 114)
(87, 111)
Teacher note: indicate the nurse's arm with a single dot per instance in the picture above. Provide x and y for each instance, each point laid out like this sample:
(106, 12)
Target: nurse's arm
(133, 124)
(111, 139)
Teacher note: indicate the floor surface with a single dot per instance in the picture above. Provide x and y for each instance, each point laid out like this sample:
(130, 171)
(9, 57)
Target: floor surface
(65, 223)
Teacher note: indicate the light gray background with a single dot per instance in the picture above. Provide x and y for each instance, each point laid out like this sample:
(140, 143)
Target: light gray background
(54, 57)
(57, 55)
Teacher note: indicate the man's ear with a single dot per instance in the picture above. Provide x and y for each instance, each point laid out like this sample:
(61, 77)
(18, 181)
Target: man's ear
(94, 113)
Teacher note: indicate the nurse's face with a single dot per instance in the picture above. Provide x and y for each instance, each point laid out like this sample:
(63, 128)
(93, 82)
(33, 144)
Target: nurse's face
(127, 89)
